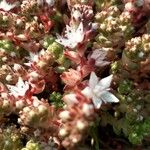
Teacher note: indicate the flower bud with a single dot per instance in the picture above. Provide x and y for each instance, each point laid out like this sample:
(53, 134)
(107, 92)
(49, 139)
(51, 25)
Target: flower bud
(70, 99)
(63, 132)
(6, 104)
(42, 110)
(80, 125)
(64, 115)
(87, 109)
(20, 104)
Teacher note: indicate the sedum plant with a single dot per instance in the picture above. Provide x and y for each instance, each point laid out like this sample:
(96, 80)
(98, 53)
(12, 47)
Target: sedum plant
(74, 74)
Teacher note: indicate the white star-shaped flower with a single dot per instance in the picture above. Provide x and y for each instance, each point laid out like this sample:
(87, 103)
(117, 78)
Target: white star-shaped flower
(6, 6)
(34, 57)
(19, 89)
(72, 37)
(99, 55)
(98, 90)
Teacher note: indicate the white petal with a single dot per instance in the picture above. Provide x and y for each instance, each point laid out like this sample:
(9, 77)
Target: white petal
(42, 52)
(101, 63)
(66, 42)
(106, 82)
(97, 102)
(87, 92)
(32, 57)
(19, 89)
(109, 97)
(13, 90)
(26, 85)
(50, 2)
(69, 29)
(80, 33)
(99, 53)
(76, 14)
(28, 64)
(6, 6)
(72, 36)
(93, 80)
(80, 28)
(20, 83)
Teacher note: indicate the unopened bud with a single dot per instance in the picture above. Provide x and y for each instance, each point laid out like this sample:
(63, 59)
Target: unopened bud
(34, 76)
(9, 78)
(63, 132)
(6, 104)
(80, 125)
(17, 67)
(87, 109)
(26, 109)
(42, 110)
(64, 115)
(75, 140)
(5, 18)
(19, 104)
(19, 22)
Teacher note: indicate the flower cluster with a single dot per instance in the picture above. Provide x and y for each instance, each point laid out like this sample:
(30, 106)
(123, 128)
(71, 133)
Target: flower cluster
(74, 74)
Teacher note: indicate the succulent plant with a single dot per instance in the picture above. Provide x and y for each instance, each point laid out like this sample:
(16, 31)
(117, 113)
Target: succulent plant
(74, 74)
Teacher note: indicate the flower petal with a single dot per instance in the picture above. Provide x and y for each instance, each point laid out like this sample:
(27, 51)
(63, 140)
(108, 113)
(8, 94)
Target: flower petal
(19, 89)
(87, 92)
(66, 42)
(93, 80)
(20, 83)
(101, 63)
(109, 97)
(26, 85)
(13, 90)
(106, 82)
(50, 2)
(99, 54)
(6, 6)
(72, 36)
(80, 33)
(97, 102)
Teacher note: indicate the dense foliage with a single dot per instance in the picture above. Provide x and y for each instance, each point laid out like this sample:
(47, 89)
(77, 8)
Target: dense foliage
(74, 74)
